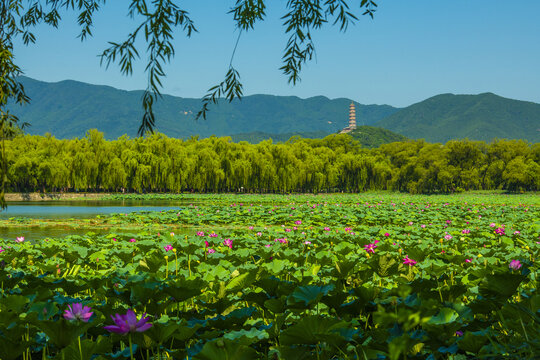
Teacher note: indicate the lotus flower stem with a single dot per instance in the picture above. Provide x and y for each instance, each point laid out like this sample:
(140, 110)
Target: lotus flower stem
(175, 263)
(439, 289)
(80, 349)
(130, 348)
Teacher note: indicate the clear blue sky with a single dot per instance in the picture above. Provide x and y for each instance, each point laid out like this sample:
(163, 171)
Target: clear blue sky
(410, 51)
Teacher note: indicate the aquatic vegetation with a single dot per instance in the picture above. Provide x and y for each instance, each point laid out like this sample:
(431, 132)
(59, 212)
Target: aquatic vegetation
(376, 277)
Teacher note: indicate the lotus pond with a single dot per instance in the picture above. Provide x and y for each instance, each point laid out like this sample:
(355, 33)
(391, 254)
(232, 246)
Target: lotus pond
(363, 276)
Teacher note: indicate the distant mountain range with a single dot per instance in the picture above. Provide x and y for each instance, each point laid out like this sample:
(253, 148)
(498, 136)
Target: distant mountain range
(477, 117)
(67, 109)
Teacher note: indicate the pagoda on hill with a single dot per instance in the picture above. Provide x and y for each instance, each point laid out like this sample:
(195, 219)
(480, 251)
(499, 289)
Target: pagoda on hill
(352, 120)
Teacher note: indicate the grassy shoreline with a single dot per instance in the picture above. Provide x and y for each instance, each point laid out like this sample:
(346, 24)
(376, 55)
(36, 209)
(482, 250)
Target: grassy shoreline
(37, 196)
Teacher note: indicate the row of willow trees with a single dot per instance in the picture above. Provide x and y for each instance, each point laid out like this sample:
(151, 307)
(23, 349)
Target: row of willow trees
(336, 163)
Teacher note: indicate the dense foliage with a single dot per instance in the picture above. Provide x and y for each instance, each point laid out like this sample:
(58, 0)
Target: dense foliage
(301, 277)
(336, 163)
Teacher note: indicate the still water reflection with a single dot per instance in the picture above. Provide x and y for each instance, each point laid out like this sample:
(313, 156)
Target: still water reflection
(87, 209)
(83, 209)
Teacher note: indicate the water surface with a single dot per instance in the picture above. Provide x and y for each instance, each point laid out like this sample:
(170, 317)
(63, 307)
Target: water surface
(74, 209)
(83, 209)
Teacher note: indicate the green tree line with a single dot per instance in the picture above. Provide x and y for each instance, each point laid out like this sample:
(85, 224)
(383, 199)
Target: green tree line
(158, 163)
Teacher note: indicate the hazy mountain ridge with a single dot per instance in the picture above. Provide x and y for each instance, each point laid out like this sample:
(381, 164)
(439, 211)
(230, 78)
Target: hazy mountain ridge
(69, 108)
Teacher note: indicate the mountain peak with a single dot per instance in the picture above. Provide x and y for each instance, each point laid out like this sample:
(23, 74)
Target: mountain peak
(478, 117)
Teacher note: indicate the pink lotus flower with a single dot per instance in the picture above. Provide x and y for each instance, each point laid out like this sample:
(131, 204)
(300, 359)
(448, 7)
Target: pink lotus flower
(206, 243)
(76, 312)
(168, 247)
(370, 248)
(326, 228)
(515, 265)
(287, 230)
(250, 228)
(347, 229)
(114, 239)
(268, 245)
(448, 222)
(125, 324)
(407, 261)
(307, 242)
(19, 239)
(259, 233)
(132, 240)
(423, 226)
(448, 236)
(468, 260)
(213, 235)
(386, 234)
(499, 231)
(492, 225)
(517, 232)
(172, 234)
(2, 250)
(410, 222)
(228, 242)
(298, 222)
(200, 233)
(211, 251)
(465, 231)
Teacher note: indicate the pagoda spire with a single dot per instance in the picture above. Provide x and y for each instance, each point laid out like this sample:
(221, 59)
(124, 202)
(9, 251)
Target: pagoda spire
(352, 116)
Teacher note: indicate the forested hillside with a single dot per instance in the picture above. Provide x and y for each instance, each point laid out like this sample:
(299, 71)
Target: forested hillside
(336, 163)
(476, 117)
(372, 137)
(367, 136)
(68, 109)
(258, 136)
